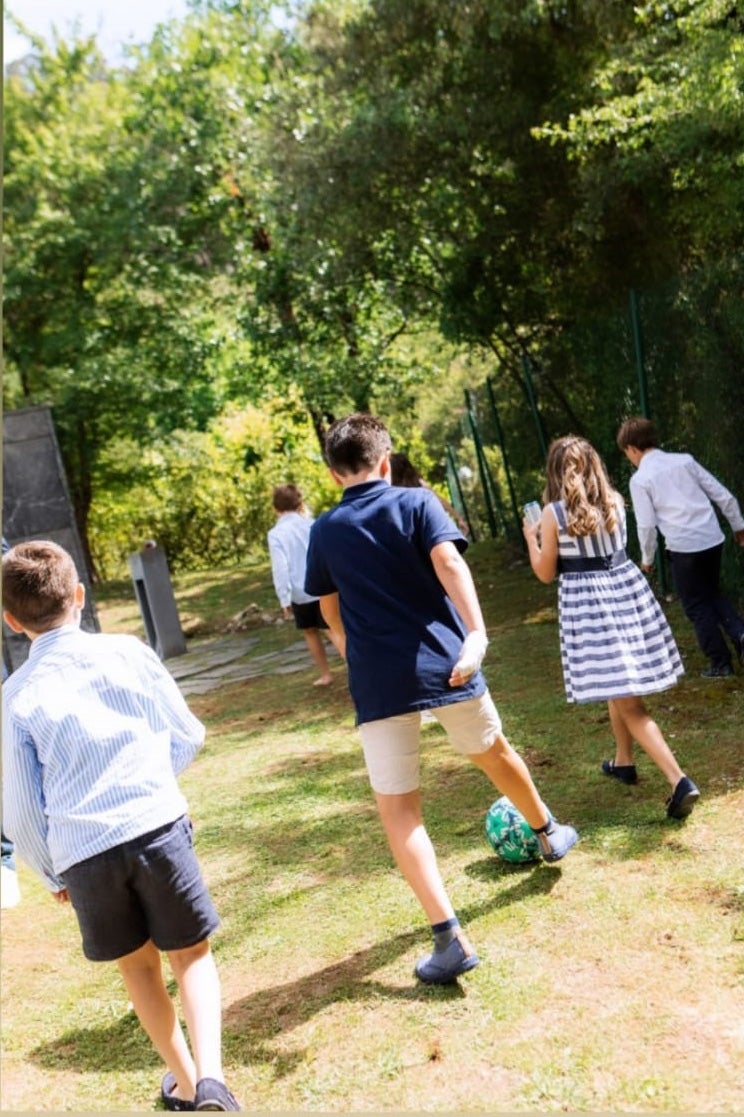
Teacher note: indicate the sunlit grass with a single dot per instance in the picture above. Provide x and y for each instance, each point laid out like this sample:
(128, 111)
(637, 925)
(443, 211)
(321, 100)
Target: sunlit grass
(612, 982)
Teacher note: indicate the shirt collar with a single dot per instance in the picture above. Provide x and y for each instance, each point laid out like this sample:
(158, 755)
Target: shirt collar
(645, 461)
(363, 488)
(48, 639)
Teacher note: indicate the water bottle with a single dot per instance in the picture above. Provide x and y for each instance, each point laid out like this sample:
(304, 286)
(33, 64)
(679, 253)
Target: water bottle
(532, 512)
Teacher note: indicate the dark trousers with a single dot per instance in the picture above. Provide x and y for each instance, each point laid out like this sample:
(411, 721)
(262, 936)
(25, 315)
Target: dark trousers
(7, 849)
(697, 579)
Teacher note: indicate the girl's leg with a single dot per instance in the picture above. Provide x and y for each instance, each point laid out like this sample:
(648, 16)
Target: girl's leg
(142, 973)
(199, 987)
(510, 775)
(414, 854)
(623, 736)
(314, 642)
(642, 728)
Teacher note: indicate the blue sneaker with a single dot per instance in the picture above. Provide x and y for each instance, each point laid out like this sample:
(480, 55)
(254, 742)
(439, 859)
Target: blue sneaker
(442, 967)
(556, 840)
(175, 1105)
(214, 1095)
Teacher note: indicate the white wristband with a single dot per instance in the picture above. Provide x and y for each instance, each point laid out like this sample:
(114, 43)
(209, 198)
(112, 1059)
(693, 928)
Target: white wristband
(471, 654)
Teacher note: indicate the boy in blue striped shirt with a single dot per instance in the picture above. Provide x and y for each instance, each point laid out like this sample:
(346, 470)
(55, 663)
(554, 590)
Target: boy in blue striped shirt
(95, 732)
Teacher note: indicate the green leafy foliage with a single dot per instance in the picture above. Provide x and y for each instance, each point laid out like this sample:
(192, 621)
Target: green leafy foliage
(372, 204)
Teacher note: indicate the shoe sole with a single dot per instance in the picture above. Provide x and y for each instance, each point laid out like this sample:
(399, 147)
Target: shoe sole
(685, 806)
(467, 965)
(558, 855)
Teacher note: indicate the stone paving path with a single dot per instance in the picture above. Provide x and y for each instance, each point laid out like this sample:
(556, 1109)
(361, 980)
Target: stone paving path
(228, 660)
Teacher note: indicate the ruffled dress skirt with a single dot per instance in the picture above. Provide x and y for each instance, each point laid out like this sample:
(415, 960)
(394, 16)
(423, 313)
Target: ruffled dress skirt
(615, 640)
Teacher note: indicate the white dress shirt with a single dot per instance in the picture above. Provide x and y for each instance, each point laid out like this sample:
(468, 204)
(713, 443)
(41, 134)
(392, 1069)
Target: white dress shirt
(288, 540)
(672, 492)
(95, 731)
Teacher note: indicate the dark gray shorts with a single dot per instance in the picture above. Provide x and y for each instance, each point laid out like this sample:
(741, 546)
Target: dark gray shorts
(148, 888)
(308, 615)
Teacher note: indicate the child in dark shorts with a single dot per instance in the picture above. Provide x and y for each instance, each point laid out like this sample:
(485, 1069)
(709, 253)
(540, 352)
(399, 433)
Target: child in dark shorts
(288, 550)
(95, 732)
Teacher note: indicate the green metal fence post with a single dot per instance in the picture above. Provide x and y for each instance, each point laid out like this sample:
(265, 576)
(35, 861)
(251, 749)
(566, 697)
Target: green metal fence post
(455, 488)
(489, 489)
(533, 404)
(502, 446)
(635, 318)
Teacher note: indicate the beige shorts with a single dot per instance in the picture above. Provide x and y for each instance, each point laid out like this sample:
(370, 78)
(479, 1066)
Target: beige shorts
(391, 745)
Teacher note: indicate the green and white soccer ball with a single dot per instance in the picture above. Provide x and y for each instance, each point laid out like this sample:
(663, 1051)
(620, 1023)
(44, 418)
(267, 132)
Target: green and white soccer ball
(509, 834)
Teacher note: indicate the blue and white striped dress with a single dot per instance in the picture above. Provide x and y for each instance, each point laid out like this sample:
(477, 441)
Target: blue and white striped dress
(615, 639)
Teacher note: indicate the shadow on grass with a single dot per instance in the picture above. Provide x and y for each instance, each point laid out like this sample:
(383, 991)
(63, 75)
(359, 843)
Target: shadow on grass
(252, 1023)
(117, 1046)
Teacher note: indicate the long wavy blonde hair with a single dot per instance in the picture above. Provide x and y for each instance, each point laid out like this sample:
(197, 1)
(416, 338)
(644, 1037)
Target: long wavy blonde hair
(577, 476)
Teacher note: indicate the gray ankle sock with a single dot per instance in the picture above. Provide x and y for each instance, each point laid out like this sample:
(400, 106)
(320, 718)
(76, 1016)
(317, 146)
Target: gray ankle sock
(444, 933)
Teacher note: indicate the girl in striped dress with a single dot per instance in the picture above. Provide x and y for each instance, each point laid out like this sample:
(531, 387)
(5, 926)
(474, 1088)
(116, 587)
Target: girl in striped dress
(616, 644)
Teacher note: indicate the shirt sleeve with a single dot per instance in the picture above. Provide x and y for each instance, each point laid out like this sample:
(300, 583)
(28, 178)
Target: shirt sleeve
(719, 494)
(186, 731)
(318, 579)
(436, 526)
(645, 514)
(280, 572)
(24, 813)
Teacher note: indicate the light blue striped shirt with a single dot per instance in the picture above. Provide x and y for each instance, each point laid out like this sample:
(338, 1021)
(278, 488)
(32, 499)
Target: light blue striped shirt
(95, 732)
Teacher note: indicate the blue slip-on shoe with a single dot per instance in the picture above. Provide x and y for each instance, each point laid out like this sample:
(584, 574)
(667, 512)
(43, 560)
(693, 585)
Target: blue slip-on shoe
(214, 1095)
(175, 1105)
(442, 967)
(556, 840)
(626, 773)
(683, 799)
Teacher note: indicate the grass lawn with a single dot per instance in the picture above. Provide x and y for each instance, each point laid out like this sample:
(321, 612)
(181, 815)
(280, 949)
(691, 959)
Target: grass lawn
(611, 982)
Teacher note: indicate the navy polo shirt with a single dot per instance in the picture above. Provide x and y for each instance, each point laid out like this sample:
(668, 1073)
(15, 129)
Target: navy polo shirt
(403, 635)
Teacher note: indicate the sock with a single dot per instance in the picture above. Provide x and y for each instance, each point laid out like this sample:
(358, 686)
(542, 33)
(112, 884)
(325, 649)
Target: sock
(546, 829)
(444, 932)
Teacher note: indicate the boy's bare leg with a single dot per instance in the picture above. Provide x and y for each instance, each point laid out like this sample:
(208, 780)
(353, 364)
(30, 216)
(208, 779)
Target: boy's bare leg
(142, 972)
(199, 987)
(510, 775)
(642, 727)
(314, 642)
(413, 852)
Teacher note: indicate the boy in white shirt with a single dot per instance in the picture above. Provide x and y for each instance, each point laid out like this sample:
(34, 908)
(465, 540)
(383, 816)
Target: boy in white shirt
(288, 541)
(673, 494)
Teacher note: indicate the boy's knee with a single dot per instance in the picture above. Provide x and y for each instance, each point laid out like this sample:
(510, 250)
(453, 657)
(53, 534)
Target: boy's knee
(498, 749)
(186, 954)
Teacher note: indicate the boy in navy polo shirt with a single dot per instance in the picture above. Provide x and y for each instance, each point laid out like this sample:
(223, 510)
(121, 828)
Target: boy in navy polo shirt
(387, 566)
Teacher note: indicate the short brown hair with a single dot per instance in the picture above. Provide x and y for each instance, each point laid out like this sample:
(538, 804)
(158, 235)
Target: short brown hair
(638, 432)
(39, 583)
(287, 498)
(356, 443)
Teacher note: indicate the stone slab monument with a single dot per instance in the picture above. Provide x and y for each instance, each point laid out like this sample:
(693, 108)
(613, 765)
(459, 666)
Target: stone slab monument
(37, 505)
(152, 585)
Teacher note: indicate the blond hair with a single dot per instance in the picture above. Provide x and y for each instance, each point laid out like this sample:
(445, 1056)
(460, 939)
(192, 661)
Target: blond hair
(577, 476)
